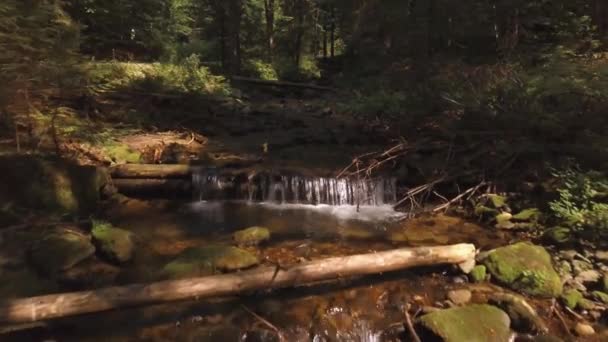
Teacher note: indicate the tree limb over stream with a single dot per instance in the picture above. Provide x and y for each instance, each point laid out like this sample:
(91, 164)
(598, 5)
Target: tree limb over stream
(76, 303)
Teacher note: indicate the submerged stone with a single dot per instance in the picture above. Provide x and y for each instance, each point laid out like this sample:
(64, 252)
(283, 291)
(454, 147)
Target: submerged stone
(474, 323)
(201, 261)
(115, 244)
(252, 236)
(59, 251)
(525, 267)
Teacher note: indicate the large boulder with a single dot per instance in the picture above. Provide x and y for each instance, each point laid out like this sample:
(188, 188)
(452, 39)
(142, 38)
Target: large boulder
(252, 236)
(115, 244)
(201, 261)
(50, 184)
(60, 250)
(525, 267)
(474, 323)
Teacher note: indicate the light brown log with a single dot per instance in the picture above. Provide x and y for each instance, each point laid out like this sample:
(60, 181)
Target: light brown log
(69, 304)
(142, 187)
(152, 171)
(282, 83)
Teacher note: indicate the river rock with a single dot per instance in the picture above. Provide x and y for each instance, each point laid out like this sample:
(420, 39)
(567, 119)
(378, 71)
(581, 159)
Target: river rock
(571, 298)
(60, 250)
(605, 282)
(468, 323)
(588, 276)
(460, 297)
(601, 296)
(478, 274)
(558, 235)
(522, 314)
(201, 261)
(583, 329)
(252, 236)
(115, 244)
(579, 266)
(89, 274)
(601, 255)
(525, 267)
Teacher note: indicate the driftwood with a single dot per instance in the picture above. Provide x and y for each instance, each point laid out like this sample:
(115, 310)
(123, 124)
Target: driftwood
(76, 303)
(282, 83)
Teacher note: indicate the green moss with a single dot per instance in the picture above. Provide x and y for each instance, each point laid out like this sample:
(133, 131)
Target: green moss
(201, 261)
(601, 296)
(531, 214)
(478, 274)
(586, 304)
(474, 323)
(481, 210)
(525, 267)
(252, 236)
(497, 200)
(558, 235)
(121, 153)
(113, 243)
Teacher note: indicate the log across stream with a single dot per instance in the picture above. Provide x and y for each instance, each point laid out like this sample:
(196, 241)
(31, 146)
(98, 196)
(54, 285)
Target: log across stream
(268, 277)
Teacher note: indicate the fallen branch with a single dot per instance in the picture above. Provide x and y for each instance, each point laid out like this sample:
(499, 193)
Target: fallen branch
(77, 303)
(266, 323)
(459, 197)
(281, 83)
(410, 326)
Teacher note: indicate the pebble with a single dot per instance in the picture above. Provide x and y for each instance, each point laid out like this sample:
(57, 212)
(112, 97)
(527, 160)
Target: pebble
(601, 255)
(459, 280)
(460, 297)
(583, 329)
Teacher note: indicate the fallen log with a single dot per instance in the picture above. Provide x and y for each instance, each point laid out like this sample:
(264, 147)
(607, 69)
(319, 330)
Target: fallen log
(153, 187)
(152, 171)
(68, 304)
(282, 83)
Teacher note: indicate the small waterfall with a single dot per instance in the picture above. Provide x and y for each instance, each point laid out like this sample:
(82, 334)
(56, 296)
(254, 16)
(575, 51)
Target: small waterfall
(209, 184)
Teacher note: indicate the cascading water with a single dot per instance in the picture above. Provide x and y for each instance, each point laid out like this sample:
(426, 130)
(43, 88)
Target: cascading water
(209, 184)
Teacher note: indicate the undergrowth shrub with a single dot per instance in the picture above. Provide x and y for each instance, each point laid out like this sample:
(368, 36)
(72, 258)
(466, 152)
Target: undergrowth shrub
(582, 203)
(260, 69)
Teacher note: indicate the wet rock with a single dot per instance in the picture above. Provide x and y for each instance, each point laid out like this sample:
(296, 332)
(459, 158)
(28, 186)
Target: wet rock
(478, 274)
(601, 255)
(201, 261)
(568, 254)
(469, 323)
(60, 250)
(558, 235)
(588, 276)
(115, 244)
(525, 267)
(89, 274)
(571, 298)
(503, 217)
(601, 296)
(522, 314)
(586, 304)
(605, 282)
(579, 266)
(583, 329)
(459, 280)
(564, 268)
(252, 236)
(460, 297)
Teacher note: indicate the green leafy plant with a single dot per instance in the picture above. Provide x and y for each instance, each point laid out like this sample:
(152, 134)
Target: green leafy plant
(581, 203)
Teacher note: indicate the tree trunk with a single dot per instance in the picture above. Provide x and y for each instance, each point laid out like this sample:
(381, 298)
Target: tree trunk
(76, 303)
(333, 32)
(269, 12)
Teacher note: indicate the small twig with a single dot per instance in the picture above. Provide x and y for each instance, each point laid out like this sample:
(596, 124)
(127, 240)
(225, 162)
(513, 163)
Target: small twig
(555, 310)
(574, 313)
(265, 322)
(457, 198)
(409, 325)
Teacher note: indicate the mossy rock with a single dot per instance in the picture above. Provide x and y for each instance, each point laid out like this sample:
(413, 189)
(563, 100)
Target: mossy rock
(558, 235)
(525, 267)
(605, 282)
(60, 250)
(497, 201)
(478, 274)
(601, 296)
(51, 185)
(531, 214)
(121, 153)
(252, 236)
(473, 323)
(115, 244)
(201, 261)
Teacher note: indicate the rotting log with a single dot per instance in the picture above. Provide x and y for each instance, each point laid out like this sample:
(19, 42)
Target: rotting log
(152, 171)
(69, 304)
(282, 83)
(158, 186)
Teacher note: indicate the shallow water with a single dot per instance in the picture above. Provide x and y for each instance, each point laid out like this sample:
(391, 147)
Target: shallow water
(361, 309)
